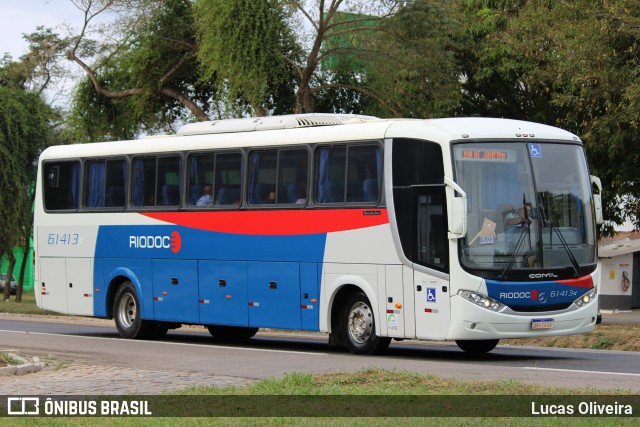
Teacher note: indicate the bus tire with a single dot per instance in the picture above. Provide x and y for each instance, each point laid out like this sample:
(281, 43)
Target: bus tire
(477, 346)
(358, 326)
(126, 312)
(231, 333)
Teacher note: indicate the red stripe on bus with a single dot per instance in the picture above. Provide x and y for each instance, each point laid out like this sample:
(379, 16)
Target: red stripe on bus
(583, 282)
(276, 223)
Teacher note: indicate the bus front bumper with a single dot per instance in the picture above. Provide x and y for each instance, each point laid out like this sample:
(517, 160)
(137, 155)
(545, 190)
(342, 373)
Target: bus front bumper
(471, 322)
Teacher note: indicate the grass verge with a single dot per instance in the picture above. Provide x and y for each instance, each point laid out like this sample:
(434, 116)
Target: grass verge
(7, 360)
(27, 306)
(346, 399)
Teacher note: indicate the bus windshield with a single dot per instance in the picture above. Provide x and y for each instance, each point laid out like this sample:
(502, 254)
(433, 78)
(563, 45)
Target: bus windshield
(528, 209)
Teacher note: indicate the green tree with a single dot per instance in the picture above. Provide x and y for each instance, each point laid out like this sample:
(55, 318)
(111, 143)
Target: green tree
(412, 64)
(24, 132)
(147, 79)
(569, 64)
(248, 46)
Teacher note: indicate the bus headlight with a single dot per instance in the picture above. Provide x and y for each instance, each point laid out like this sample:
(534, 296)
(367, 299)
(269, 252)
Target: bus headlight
(481, 300)
(586, 298)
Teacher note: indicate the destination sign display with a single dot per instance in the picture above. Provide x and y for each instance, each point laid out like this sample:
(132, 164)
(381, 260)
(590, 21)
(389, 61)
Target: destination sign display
(486, 155)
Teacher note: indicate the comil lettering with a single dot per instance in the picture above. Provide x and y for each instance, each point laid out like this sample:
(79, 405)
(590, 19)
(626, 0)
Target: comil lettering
(172, 242)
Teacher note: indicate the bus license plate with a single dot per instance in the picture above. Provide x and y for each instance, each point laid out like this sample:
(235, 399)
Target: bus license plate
(542, 324)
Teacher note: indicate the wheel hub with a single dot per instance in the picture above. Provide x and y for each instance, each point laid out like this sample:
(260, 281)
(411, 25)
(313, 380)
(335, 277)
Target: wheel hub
(360, 322)
(127, 310)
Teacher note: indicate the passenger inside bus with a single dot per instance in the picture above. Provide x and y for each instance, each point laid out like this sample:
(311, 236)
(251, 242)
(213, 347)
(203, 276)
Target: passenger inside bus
(207, 196)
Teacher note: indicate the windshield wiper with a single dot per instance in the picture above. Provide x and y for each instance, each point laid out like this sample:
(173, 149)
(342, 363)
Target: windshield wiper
(526, 229)
(574, 263)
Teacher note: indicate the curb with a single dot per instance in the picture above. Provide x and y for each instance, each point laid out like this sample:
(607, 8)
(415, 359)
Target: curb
(25, 366)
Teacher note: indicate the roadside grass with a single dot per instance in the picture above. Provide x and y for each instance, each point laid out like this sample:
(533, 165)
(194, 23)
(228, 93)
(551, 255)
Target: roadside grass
(349, 399)
(7, 360)
(604, 337)
(27, 306)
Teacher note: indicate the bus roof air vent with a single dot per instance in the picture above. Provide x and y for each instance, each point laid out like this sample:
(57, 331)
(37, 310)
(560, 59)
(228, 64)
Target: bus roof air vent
(271, 122)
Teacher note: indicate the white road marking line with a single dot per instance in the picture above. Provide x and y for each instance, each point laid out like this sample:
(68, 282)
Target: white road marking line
(578, 371)
(212, 345)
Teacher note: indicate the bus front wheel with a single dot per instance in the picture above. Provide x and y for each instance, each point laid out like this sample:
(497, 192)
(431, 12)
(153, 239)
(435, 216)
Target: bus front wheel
(126, 312)
(477, 346)
(358, 326)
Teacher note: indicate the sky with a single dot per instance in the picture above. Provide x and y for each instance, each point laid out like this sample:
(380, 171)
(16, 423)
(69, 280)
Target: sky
(19, 17)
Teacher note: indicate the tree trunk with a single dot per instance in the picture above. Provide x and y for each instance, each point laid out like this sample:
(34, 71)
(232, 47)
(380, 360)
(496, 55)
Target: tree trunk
(23, 267)
(7, 283)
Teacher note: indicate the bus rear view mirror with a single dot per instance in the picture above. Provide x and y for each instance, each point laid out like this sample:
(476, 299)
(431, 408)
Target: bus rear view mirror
(457, 211)
(597, 200)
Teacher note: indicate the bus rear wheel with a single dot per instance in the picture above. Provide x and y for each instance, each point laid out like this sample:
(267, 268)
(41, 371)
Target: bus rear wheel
(126, 312)
(231, 333)
(358, 326)
(477, 346)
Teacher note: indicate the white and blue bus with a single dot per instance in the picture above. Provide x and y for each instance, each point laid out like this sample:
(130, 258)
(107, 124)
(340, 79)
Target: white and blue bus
(465, 229)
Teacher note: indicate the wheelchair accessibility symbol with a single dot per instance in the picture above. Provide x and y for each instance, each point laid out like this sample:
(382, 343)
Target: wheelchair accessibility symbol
(535, 150)
(431, 295)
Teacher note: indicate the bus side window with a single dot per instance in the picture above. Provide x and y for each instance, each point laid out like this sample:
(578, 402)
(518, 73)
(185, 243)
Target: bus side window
(262, 177)
(330, 174)
(169, 183)
(144, 182)
(61, 185)
(278, 176)
(293, 168)
(201, 169)
(116, 183)
(348, 174)
(104, 183)
(228, 179)
(363, 174)
(156, 181)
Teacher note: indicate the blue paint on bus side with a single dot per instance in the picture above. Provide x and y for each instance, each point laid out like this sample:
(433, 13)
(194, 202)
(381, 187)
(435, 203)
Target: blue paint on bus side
(200, 277)
(155, 242)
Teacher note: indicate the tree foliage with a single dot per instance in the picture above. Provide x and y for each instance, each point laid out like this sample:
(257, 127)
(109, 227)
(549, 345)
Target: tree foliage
(147, 80)
(411, 62)
(249, 47)
(24, 132)
(569, 64)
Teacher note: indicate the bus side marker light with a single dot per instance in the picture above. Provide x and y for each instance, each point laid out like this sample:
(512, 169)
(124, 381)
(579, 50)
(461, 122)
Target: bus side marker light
(228, 297)
(164, 293)
(97, 291)
(314, 300)
(398, 306)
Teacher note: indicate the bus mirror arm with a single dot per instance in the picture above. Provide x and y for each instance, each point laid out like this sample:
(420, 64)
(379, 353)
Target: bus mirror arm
(456, 211)
(597, 199)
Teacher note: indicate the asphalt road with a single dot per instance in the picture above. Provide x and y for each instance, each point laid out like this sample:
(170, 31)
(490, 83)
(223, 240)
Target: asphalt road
(267, 355)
